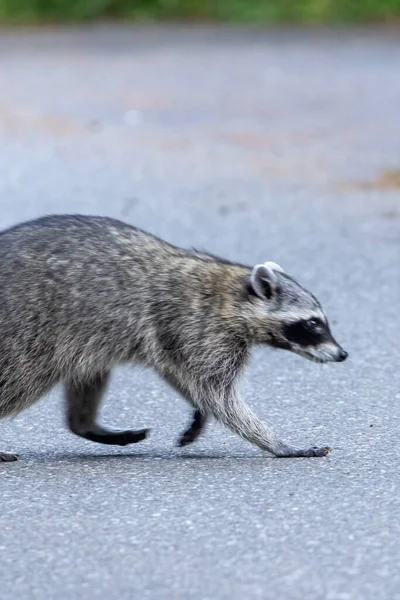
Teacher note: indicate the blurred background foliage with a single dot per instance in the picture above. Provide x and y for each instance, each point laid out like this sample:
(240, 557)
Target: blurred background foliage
(244, 11)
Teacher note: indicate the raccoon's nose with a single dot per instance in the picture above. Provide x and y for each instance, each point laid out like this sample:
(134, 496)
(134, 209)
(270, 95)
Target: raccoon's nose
(342, 355)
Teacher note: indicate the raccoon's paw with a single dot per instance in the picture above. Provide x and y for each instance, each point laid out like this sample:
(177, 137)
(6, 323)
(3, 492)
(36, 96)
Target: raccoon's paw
(132, 436)
(315, 451)
(111, 437)
(187, 438)
(306, 452)
(8, 457)
(192, 433)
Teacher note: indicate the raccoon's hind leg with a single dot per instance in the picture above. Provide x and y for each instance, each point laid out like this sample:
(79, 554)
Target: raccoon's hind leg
(192, 433)
(17, 396)
(83, 400)
(8, 457)
(199, 418)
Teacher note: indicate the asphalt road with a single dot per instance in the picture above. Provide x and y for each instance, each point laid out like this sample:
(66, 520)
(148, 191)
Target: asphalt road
(257, 146)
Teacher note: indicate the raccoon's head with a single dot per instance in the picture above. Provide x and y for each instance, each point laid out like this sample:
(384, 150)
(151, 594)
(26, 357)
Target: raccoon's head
(290, 317)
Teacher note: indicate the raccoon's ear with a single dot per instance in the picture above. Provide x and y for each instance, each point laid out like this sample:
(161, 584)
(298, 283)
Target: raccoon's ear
(274, 267)
(263, 281)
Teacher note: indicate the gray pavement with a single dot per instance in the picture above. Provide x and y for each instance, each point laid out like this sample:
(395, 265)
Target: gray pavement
(258, 145)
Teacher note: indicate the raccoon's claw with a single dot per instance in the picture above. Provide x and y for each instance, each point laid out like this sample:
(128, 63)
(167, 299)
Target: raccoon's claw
(8, 457)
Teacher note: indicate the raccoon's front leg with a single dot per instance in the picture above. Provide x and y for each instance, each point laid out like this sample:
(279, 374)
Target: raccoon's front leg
(82, 404)
(228, 408)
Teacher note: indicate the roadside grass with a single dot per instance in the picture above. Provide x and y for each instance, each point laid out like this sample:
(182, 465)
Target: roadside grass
(234, 11)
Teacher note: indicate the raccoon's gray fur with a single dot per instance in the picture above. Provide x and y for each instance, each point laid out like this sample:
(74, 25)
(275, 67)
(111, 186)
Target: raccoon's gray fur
(81, 294)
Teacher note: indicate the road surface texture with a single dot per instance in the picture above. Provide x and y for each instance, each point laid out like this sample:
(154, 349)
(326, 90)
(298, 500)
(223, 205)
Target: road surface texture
(257, 145)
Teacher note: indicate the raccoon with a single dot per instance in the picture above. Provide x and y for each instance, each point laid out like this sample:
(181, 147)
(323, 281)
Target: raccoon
(81, 294)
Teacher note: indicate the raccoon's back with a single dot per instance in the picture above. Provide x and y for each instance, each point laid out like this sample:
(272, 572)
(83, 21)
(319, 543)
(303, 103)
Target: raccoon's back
(79, 237)
(70, 250)
(72, 288)
(73, 271)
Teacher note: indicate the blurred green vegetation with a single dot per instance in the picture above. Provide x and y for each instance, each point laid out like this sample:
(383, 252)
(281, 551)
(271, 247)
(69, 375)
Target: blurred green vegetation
(244, 11)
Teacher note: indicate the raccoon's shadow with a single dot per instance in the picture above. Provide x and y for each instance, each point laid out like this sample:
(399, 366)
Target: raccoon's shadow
(156, 456)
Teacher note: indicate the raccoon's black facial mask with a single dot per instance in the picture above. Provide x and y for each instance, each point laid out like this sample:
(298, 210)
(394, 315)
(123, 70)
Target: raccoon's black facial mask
(309, 332)
(313, 340)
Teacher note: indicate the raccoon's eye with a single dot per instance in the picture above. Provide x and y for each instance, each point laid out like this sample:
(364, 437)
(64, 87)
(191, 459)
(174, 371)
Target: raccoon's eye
(314, 324)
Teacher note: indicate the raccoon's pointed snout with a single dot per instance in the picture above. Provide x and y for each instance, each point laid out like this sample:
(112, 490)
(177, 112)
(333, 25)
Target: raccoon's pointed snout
(342, 355)
(330, 352)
